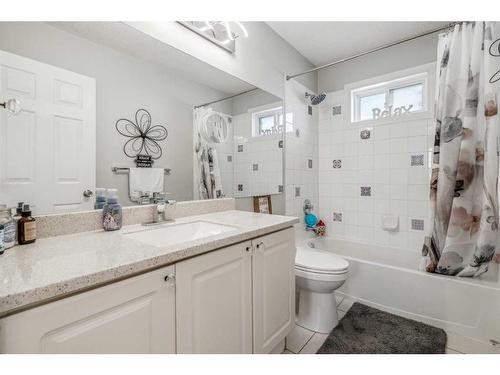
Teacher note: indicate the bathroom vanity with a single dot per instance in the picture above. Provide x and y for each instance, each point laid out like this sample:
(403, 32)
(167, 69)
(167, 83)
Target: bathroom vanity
(227, 288)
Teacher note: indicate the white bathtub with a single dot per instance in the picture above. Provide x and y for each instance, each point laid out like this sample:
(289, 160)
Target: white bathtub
(389, 279)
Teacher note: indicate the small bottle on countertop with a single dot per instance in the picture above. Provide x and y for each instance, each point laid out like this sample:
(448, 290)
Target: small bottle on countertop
(2, 247)
(16, 218)
(112, 212)
(26, 227)
(9, 227)
(100, 198)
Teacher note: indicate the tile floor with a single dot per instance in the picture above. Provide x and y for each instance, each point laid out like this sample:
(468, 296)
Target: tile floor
(304, 341)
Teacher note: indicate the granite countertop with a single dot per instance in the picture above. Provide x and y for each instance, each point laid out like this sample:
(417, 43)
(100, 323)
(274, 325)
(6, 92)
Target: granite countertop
(53, 267)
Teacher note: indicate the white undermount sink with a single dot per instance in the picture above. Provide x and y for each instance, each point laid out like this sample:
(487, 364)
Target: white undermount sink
(170, 234)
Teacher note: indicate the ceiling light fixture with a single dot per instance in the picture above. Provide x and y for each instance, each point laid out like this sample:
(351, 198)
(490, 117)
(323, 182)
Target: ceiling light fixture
(221, 33)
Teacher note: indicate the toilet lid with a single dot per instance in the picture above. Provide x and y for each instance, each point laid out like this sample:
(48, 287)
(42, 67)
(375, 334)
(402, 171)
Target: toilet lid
(317, 260)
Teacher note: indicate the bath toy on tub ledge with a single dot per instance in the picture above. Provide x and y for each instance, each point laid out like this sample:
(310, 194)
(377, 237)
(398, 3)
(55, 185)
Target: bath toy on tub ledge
(320, 228)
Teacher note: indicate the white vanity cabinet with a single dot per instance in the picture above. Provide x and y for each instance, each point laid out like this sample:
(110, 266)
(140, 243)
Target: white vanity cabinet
(136, 315)
(239, 299)
(273, 265)
(214, 301)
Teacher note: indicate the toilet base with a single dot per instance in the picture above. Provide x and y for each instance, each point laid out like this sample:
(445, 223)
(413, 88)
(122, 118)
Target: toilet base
(317, 311)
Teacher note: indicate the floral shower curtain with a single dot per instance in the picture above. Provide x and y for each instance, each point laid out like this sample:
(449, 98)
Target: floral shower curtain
(463, 236)
(207, 178)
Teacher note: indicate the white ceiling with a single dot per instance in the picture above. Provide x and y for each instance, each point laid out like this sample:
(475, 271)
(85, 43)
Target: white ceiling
(128, 40)
(324, 42)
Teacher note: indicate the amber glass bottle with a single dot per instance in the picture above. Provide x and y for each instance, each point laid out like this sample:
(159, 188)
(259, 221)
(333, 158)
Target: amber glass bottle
(26, 227)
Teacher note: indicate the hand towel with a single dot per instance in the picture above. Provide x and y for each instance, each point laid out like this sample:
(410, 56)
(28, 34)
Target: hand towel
(145, 180)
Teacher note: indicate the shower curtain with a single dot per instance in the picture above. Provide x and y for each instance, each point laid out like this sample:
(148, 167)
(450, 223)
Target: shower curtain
(207, 178)
(464, 184)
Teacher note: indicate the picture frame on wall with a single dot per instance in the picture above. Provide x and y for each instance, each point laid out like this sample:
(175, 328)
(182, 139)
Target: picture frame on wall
(262, 204)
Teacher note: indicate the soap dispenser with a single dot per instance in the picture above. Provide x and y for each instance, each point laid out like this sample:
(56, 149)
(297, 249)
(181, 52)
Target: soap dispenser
(112, 212)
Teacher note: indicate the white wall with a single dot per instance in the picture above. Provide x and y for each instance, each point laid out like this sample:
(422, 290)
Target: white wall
(124, 84)
(406, 55)
(300, 148)
(262, 59)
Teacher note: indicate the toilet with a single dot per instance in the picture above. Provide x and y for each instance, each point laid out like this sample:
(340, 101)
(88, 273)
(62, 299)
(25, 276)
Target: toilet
(318, 274)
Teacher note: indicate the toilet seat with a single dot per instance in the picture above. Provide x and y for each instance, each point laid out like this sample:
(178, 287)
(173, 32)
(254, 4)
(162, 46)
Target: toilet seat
(325, 277)
(320, 262)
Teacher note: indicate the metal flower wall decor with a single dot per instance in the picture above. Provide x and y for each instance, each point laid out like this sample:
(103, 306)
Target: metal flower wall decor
(144, 138)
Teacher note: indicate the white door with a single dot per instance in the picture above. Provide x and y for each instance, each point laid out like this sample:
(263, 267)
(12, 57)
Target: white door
(47, 151)
(136, 315)
(273, 289)
(214, 302)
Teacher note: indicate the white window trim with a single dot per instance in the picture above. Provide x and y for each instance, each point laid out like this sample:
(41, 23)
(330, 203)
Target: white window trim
(263, 111)
(420, 74)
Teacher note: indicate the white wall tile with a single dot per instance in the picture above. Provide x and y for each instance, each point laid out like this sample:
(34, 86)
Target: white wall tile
(381, 162)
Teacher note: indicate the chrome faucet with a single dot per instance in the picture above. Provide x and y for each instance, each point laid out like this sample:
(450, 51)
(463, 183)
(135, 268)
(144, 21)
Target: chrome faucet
(159, 214)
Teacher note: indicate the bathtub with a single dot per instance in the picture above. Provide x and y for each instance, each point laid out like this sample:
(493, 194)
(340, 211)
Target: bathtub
(389, 279)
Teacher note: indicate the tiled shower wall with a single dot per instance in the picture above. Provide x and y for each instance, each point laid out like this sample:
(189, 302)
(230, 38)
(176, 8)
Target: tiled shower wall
(366, 173)
(301, 162)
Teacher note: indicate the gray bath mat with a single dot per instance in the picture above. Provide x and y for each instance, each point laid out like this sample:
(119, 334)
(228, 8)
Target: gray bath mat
(365, 330)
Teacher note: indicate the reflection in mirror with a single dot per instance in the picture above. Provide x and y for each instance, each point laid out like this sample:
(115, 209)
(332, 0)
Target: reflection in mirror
(105, 106)
(238, 147)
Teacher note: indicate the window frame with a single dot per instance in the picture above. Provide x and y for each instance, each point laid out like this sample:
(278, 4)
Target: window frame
(423, 74)
(258, 114)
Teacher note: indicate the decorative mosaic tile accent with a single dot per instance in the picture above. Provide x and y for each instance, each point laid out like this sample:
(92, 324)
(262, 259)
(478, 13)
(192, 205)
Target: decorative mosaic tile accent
(255, 167)
(417, 160)
(240, 187)
(240, 148)
(365, 134)
(309, 110)
(336, 110)
(366, 191)
(337, 163)
(309, 163)
(297, 191)
(280, 144)
(230, 158)
(337, 216)
(297, 133)
(417, 224)
(280, 188)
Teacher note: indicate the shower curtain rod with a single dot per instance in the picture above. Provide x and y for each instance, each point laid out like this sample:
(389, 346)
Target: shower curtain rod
(288, 77)
(227, 97)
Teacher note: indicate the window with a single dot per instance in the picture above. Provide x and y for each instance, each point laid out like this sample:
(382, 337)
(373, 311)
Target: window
(390, 98)
(268, 122)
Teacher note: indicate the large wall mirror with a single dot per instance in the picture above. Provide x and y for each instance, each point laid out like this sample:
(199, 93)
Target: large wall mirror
(96, 103)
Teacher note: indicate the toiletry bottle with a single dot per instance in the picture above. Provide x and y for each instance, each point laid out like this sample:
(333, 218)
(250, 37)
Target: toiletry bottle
(2, 247)
(112, 212)
(100, 198)
(26, 227)
(9, 225)
(17, 216)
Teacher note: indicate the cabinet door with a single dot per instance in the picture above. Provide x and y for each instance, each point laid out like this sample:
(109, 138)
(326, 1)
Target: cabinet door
(214, 302)
(136, 315)
(273, 289)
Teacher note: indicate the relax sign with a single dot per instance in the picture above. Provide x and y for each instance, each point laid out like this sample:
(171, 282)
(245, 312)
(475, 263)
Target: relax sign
(388, 111)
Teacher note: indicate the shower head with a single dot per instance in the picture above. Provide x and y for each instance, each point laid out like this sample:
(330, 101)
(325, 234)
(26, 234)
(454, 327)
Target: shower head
(315, 99)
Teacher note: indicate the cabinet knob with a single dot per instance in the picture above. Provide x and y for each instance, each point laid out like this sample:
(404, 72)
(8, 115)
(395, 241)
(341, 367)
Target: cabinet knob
(170, 279)
(248, 249)
(260, 245)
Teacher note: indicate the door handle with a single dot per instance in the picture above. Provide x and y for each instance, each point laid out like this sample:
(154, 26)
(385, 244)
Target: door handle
(88, 193)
